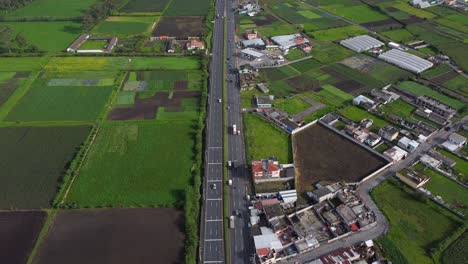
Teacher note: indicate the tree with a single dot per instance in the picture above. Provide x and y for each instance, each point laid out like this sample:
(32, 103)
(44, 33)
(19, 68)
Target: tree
(6, 38)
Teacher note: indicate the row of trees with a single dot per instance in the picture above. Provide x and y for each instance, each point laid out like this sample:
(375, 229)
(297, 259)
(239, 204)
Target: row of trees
(14, 42)
(13, 4)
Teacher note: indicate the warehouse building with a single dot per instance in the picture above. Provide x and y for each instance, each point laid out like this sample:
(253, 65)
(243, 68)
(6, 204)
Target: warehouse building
(361, 43)
(406, 61)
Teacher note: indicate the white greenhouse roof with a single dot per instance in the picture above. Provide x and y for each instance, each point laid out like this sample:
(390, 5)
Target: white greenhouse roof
(406, 61)
(361, 43)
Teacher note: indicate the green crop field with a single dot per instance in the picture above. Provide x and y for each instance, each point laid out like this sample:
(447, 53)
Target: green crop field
(124, 26)
(278, 73)
(52, 36)
(187, 8)
(330, 52)
(53, 8)
(399, 108)
(419, 89)
(399, 35)
(136, 165)
(436, 71)
(357, 13)
(411, 234)
(292, 105)
(275, 29)
(387, 73)
(44, 102)
(33, 161)
(263, 140)
(337, 33)
(356, 114)
(305, 65)
(144, 6)
(22, 63)
(452, 192)
(458, 84)
(295, 54)
(456, 252)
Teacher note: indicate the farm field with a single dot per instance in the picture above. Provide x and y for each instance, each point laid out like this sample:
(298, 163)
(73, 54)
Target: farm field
(55, 97)
(53, 8)
(34, 159)
(20, 231)
(109, 176)
(180, 27)
(321, 155)
(124, 26)
(399, 35)
(399, 108)
(187, 8)
(105, 236)
(53, 36)
(22, 63)
(357, 13)
(419, 89)
(9, 82)
(263, 140)
(411, 235)
(455, 252)
(337, 33)
(135, 6)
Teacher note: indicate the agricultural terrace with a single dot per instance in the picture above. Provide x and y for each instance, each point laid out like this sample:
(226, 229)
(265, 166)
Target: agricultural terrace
(419, 89)
(20, 231)
(188, 8)
(180, 27)
(84, 236)
(110, 176)
(122, 26)
(67, 64)
(64, 97)
(412, 236)
(53, 8)
(168, 95)
(321, 155)
(34, 159)
(144, 6)
(53, 36)
(263, 140)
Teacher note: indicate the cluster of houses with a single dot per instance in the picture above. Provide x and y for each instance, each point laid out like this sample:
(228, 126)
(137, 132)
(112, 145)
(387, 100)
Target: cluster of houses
(270, 170)
(191, 44)
(281, 230)
(249, 8)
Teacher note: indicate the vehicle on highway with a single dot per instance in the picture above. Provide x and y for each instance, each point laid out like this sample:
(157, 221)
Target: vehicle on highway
(232, 223)
(219, 100)
(234, 129)
(230, 182)
(213, 186)
(229, 163)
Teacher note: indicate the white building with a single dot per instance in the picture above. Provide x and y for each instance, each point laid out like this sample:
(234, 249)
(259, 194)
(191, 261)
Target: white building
(406, 60)
(289, 41)
(396, 154)
(288, 196)
(408, 144)
(454, 142)
(361, 43)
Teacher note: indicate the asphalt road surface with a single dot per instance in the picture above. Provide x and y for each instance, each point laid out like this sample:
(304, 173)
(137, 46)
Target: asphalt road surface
(212, 238)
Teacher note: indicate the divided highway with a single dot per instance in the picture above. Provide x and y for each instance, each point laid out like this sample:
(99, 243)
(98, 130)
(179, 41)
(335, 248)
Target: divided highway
(212, 238)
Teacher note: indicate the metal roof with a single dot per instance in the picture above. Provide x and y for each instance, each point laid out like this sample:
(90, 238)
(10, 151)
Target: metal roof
(361, 43)
(253, 42)
(253, 53)
(406, 61)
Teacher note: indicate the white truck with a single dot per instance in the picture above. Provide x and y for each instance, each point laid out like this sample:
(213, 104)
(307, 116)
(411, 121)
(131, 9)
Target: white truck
(234, 129)
(232, 224)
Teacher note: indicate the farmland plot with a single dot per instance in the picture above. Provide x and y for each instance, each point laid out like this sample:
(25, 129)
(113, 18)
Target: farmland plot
(188, 8)
(180, 27)
(53, 8)
(33, 159)
(144, 6)
(9, 82)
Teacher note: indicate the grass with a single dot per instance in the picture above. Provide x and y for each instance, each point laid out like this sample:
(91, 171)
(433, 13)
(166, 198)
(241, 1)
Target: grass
(458, 84)
(124, 26)
(450, 191)
(337, 33)
(305, 65)
(461, 168)
(94, 45)
(135, 165)
(419, 89)
(22, 63)
(358, 13)
(125, 98)
(275, 29)
(295, 54)
(388, 73)
(327, 53)
(399, 108)
(53, 8)
(399, 35)
(60, 103)
(411, 235)
(52, 36)
(33, 161)
(406, 7)
(187, 8)
(356, 114)
(292, 105)
(263, 140)
(456, 252)
(436, 71)
(144, 6)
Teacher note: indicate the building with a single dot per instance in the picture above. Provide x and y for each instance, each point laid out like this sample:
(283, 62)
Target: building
(78, 42)
(194, 44)
(256, 43)
(346, 255)
(288, 196)
(364, 102)
(388, 132)
(358, 133)
(372, 139)
(415, 179)
(361, 43)
(248, 81)
(408, 144)
(286, 42)
(246, 68)
(396, 154)
(347, 214)
(306, 47)
(384, 96)
(252, 54)
(263, 101)
(436, 106)
(324, 193)
(406, 61)
(430, 161)
(266, 247)
(454, 142)
(425, 3)
(251, 34)
(263, 87)
(265, 168)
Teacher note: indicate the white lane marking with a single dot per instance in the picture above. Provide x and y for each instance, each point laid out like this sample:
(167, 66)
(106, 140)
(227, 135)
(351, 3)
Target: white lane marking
(215, 147)
(213, 239)
(213, 261)
(214, 220)
(214, 163)
(215, 180)
(213, 199)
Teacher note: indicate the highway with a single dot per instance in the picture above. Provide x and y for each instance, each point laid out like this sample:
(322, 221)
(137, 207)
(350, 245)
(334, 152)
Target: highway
(212, 238)
(241, 242)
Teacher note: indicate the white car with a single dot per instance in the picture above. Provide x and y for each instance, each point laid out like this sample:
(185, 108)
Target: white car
(213, 186)
(219, 100)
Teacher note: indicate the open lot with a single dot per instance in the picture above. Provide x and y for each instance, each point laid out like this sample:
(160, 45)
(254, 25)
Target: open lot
(18, 234)
(415, 226)
(33, 160)
(53, 97)
(321, 155)
(188, 8)
(263, 140)
(180, 27)
(144, 6)
(135, 164)
(53, 36)
(114, 236)
(53, 8)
